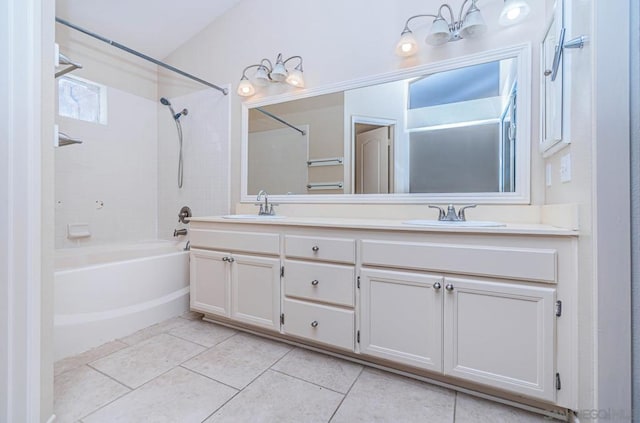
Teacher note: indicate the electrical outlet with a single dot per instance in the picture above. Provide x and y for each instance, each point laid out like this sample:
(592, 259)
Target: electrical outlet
(565, 168)
(548, 174)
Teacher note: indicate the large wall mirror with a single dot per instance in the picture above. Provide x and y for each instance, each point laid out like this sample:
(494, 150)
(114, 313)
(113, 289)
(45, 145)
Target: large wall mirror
(452, 131)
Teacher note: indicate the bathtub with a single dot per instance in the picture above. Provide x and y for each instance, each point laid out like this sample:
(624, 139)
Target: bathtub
(107, 292)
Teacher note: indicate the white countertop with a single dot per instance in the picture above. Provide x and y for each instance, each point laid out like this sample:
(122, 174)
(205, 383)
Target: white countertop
(391, 224)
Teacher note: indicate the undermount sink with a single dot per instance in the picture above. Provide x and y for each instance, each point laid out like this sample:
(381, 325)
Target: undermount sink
(253, 216)
(454, 224)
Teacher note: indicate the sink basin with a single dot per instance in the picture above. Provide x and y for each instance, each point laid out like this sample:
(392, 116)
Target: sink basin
(453, 224)
(252, 217)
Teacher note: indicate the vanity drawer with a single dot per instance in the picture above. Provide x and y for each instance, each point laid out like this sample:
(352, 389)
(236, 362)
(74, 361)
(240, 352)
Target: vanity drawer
(341, 250)
(325, 324)
(528, 264)
(330, 283)
(251, 242)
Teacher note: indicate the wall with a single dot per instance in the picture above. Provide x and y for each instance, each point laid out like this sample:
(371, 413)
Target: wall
(26, 237)
(205, 186)
(599, 152)
(110, 180)
(357, 42)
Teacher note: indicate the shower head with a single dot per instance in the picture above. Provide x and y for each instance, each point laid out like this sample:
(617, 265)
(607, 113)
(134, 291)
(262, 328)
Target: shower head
(164, 101)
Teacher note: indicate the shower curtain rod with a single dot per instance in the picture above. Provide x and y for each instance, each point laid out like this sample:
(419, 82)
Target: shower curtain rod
(272, 116)
(142, 56)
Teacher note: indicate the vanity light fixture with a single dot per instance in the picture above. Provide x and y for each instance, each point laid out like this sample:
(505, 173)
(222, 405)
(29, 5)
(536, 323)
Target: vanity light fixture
(266, 73)
(470, 24)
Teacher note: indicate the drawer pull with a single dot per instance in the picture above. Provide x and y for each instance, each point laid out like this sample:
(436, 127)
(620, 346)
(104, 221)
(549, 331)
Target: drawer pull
(315, 248)
(437, 286)
(315, 282)
(449, 287)
(314, 324)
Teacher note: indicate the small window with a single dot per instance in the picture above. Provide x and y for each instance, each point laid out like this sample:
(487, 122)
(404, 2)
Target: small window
(82, 99)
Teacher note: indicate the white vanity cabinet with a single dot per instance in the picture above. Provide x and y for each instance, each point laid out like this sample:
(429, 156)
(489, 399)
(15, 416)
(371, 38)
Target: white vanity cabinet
(490, 329)
(319, 289)
(500, 334)
(401, 317)
(492, 310)
(241, 286)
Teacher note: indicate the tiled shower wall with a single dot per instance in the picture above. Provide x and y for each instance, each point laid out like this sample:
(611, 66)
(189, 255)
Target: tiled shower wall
(122, 181)
(206, 159)
(110, 180)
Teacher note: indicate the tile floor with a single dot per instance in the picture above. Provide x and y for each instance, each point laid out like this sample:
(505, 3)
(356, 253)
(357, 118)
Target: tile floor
(186, 370)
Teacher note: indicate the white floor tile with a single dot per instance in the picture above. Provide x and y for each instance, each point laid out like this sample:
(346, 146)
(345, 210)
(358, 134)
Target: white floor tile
(81, 390)
(238, 360)
(179, 396)
(321, 369)
(140, 363)
(276, 397)
(384, 397)
(203, 333)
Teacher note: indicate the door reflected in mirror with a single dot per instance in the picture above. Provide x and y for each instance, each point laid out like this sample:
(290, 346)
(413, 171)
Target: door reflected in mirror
(437, 133)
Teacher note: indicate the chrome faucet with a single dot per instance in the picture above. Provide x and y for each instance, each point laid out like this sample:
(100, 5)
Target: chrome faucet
(266, 208)
(451, 215)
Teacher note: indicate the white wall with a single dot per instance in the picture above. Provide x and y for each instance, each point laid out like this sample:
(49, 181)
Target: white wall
(26, 238)
(205, 155)
(110, 180)
(339, 41)
(599, 185)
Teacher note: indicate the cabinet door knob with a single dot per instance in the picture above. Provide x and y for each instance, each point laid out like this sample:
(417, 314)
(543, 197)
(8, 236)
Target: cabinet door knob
(225, 258)
(449, 287)
(315, 282)
(314, 324)
(315, 248)
(231, 259)
(437, 286)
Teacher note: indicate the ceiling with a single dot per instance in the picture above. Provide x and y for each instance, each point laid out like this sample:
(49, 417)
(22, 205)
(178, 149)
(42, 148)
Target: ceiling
(153, 27)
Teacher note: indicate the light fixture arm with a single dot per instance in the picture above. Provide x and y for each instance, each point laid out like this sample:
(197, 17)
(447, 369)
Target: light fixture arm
(299, 66)
(244, 72)
(473, 5)
(406, 24)
(446, 6)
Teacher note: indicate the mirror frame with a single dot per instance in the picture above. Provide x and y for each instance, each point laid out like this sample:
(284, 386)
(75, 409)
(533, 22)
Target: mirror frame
(521, 53)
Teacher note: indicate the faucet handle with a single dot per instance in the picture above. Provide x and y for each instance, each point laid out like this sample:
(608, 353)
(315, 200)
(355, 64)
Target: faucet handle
(461, 214)
(440, 211)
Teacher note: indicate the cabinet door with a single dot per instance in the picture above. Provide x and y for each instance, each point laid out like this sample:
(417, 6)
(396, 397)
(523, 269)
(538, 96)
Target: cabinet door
(255, 286)
(500, 334)
(209, 280)
(401, 317)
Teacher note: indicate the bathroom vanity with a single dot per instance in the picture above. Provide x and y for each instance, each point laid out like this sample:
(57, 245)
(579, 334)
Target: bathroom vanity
(489, 309)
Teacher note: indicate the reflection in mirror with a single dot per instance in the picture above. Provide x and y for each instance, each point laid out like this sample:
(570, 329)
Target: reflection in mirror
(450, 133)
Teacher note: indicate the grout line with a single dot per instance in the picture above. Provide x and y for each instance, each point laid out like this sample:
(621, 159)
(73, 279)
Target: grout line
(110, 377)
(113, 400)
(345, 395)
(455, 405)
(307, 381)
(194, 371)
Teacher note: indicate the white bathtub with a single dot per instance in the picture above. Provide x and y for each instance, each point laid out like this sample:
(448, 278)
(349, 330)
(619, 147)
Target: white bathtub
(108, 292)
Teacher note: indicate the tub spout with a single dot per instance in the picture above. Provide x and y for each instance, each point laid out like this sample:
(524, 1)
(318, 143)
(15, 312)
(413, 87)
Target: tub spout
(178, 232)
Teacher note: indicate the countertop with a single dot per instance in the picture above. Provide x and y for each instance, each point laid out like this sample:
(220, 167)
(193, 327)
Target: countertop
(390, 224)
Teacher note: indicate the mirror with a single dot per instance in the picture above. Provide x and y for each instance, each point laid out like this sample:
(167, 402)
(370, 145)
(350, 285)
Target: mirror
(454, 131)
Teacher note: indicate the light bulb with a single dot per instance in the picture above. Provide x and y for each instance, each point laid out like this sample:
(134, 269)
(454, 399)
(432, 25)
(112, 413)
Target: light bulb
(407, 46)
(473, 25)
(295, 78)
(513, 12)
(245, 88)
(439, 33)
